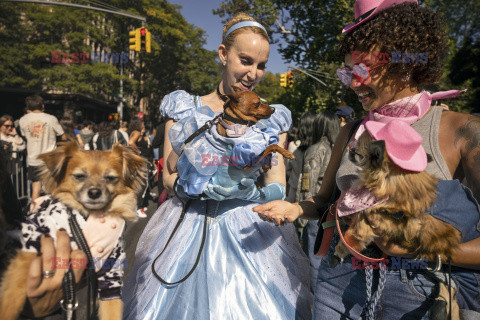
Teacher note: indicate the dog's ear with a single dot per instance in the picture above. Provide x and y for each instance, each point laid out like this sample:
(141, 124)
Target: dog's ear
(429, 158)
(134, 167)
(56, 160)
(376, 150)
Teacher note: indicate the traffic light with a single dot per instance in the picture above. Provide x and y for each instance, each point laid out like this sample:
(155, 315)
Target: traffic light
(283, 79)
(135, 42)
(145, 40)
(114, 116)
(290, 79)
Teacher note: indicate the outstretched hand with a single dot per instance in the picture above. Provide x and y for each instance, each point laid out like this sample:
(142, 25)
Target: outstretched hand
(279, 211)
(44, 292)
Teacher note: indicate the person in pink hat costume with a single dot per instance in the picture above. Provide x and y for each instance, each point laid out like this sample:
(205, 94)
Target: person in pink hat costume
(393, 91)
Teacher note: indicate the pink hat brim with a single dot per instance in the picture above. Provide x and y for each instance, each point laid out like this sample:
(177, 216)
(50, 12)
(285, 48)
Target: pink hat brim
(417, 162)
(384, 5)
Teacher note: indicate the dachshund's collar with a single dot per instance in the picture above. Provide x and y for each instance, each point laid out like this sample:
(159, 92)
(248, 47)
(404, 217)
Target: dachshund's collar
(228, 117)
(235, 130)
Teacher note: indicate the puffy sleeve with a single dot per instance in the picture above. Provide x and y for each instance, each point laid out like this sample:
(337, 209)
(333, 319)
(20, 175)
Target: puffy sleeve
(280, 121)
(177, 105)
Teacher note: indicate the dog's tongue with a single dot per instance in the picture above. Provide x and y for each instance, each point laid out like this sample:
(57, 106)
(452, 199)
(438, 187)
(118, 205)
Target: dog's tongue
(357, 199)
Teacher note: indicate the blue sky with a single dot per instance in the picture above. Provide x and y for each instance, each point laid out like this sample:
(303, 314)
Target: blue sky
(199, 13)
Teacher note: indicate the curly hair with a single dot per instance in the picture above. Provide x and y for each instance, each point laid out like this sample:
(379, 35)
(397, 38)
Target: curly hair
(408, 28)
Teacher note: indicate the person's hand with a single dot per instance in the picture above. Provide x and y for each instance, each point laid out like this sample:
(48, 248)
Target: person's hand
(45, 290)
(279, 211)
(245, 190)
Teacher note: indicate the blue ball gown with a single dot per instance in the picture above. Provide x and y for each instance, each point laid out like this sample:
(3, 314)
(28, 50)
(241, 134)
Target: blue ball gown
(248, 269)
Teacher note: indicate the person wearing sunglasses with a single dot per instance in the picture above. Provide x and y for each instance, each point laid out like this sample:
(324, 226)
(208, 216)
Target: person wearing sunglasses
(11, 142)
(393, 91)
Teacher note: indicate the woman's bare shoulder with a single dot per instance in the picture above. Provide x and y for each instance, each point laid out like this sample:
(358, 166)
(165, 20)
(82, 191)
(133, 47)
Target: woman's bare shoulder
(458, 124)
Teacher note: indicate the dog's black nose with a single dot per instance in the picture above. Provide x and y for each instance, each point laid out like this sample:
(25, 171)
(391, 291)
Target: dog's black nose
(273, 109)
(94, 193)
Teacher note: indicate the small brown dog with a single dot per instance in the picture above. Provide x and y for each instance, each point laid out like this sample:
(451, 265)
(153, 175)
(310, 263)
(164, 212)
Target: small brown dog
(94, 186)
(401, 197)
(400, 219)
(246, 107)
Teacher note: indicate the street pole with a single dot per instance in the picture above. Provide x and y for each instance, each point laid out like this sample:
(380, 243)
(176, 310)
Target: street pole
(120, 105)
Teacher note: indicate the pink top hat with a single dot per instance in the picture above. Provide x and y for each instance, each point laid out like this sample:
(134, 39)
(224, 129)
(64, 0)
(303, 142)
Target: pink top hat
(403, 143)
(367, 9)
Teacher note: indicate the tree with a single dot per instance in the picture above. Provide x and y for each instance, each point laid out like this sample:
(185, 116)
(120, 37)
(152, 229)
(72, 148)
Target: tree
(462, 70)
(315, 32)
(31, 32)
(316, 26)
(264, 11)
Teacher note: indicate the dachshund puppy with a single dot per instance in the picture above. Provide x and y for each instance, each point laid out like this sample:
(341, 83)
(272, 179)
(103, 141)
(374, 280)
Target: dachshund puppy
(97, 188)
(242, 109)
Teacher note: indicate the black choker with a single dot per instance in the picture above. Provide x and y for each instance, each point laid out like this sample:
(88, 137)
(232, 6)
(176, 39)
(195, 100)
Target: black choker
(221, 96)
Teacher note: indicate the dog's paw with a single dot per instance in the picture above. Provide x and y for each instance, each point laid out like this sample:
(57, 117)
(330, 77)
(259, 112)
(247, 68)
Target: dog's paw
(289, 155)
(341, 251)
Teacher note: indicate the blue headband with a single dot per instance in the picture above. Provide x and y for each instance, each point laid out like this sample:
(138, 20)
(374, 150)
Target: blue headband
(244, 24)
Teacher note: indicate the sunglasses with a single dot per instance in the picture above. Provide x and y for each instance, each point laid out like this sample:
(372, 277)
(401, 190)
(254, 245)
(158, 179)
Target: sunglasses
(360, 71)
(8, 125)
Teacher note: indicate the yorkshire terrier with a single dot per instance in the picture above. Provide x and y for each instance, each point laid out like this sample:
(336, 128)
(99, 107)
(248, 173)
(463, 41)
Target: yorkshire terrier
(392, 196)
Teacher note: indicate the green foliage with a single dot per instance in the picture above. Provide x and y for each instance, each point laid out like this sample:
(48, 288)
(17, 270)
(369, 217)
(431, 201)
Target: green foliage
(264, 11)
(462, 70)
(30, 32)
(269, 88)
(316, 27)
(315, 30)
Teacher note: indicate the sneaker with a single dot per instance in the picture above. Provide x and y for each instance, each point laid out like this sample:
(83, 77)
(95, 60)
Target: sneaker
(142, 213)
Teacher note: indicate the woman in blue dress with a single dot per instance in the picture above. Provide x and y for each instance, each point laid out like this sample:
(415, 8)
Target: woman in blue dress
(236, 265)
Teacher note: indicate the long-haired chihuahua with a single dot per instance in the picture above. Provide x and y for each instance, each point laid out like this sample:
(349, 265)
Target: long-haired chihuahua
(99, 189)
(393, 194)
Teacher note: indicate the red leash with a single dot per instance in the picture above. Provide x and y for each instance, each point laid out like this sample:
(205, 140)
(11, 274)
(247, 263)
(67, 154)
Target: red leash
(354, 252)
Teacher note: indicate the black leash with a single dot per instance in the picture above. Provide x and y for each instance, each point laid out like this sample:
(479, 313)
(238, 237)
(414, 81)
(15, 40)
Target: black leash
(69, 302)
(90, 272)
(221, 96)
(186, 205)
(206, 126)
(204, 236)
(228, 117)
(215, 120)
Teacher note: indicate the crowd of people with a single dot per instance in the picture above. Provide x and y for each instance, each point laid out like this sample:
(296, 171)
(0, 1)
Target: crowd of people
(240, 250)
(37, 132)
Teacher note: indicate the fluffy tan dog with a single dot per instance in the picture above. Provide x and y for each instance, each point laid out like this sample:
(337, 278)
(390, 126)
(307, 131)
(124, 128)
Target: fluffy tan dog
(96, 184)
(400, 219)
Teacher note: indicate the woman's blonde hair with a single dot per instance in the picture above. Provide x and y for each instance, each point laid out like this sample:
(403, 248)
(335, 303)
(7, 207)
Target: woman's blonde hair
(240, 17)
